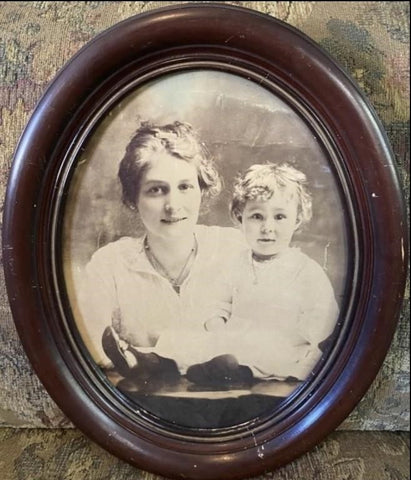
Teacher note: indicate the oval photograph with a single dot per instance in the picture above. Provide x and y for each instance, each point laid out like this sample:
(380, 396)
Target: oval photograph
(207, 249)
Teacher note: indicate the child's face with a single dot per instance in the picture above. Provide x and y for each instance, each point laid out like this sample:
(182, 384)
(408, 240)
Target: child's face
(268, 225)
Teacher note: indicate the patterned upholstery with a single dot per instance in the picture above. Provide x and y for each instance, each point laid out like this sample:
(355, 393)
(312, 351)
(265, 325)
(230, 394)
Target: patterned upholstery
(371, 41)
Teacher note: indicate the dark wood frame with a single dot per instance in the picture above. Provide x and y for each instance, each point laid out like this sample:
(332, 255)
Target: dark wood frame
(227, 38)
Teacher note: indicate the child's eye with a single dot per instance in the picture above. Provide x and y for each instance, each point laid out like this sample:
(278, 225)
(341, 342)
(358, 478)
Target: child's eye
(280, 216)
(256, 216)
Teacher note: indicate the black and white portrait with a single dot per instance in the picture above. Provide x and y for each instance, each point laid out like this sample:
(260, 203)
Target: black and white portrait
(205, 248)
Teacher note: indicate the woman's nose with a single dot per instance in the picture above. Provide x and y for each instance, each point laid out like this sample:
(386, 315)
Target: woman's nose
(171, 202)
(168, 207)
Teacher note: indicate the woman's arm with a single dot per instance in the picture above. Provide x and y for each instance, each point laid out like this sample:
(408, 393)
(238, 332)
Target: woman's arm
(97, 304)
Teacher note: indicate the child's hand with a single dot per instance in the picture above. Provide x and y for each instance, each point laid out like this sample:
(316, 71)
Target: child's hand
(215, 324)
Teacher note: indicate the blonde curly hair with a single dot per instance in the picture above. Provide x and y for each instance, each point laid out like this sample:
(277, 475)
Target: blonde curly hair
(262, 181)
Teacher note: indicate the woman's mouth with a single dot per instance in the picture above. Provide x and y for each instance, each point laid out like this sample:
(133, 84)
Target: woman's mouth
(172, 220)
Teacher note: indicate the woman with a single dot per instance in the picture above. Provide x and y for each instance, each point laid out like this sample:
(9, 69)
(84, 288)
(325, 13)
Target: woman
(142, 287)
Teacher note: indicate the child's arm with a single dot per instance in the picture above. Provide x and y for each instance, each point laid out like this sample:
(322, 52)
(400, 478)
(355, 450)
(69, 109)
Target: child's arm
(318, 316)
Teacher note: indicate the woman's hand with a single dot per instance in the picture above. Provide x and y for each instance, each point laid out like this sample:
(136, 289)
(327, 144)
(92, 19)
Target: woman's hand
(117, 351)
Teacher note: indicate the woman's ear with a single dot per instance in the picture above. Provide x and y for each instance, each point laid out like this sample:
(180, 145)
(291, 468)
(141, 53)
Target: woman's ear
(130, 205)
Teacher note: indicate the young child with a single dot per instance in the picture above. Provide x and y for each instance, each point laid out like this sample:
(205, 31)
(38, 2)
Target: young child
(276, 304)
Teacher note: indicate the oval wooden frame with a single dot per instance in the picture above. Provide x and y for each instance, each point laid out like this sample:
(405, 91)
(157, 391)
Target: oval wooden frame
(169, 39)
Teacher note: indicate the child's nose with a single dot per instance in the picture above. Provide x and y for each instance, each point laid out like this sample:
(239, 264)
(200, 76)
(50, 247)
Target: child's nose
(267, 227)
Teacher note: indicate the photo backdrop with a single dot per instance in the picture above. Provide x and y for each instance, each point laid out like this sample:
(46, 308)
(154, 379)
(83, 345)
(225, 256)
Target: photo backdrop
(242, 124)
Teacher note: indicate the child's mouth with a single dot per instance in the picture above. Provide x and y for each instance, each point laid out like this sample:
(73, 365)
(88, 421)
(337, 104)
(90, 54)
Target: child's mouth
(266, 240)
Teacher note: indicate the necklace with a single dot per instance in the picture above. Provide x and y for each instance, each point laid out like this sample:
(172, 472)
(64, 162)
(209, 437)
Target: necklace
(176, 282)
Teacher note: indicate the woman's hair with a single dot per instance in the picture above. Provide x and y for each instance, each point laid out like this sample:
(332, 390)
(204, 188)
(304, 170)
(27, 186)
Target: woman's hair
(261, 182)
(180, 141)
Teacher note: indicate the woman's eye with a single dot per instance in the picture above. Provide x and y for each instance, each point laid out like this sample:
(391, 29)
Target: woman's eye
(156, 190)
(185, 186)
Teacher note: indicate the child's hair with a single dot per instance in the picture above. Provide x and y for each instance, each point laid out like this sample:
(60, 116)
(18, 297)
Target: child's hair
(261, 182)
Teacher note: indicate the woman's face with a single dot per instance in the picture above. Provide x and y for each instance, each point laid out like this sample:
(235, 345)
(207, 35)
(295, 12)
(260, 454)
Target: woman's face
(169, 198)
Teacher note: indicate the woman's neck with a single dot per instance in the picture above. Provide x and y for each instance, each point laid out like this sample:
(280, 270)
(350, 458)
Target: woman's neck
(171, 253)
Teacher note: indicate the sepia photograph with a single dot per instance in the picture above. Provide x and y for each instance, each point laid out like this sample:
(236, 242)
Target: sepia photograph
(205, 249)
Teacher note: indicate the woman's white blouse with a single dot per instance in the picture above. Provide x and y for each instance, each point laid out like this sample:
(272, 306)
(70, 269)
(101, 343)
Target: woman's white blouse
(120, 287)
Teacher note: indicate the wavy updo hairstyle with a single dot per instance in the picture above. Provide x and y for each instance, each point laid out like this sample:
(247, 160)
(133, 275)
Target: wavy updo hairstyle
(177, 139)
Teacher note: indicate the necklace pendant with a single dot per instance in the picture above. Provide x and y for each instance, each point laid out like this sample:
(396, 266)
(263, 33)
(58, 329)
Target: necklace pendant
(177, 281)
